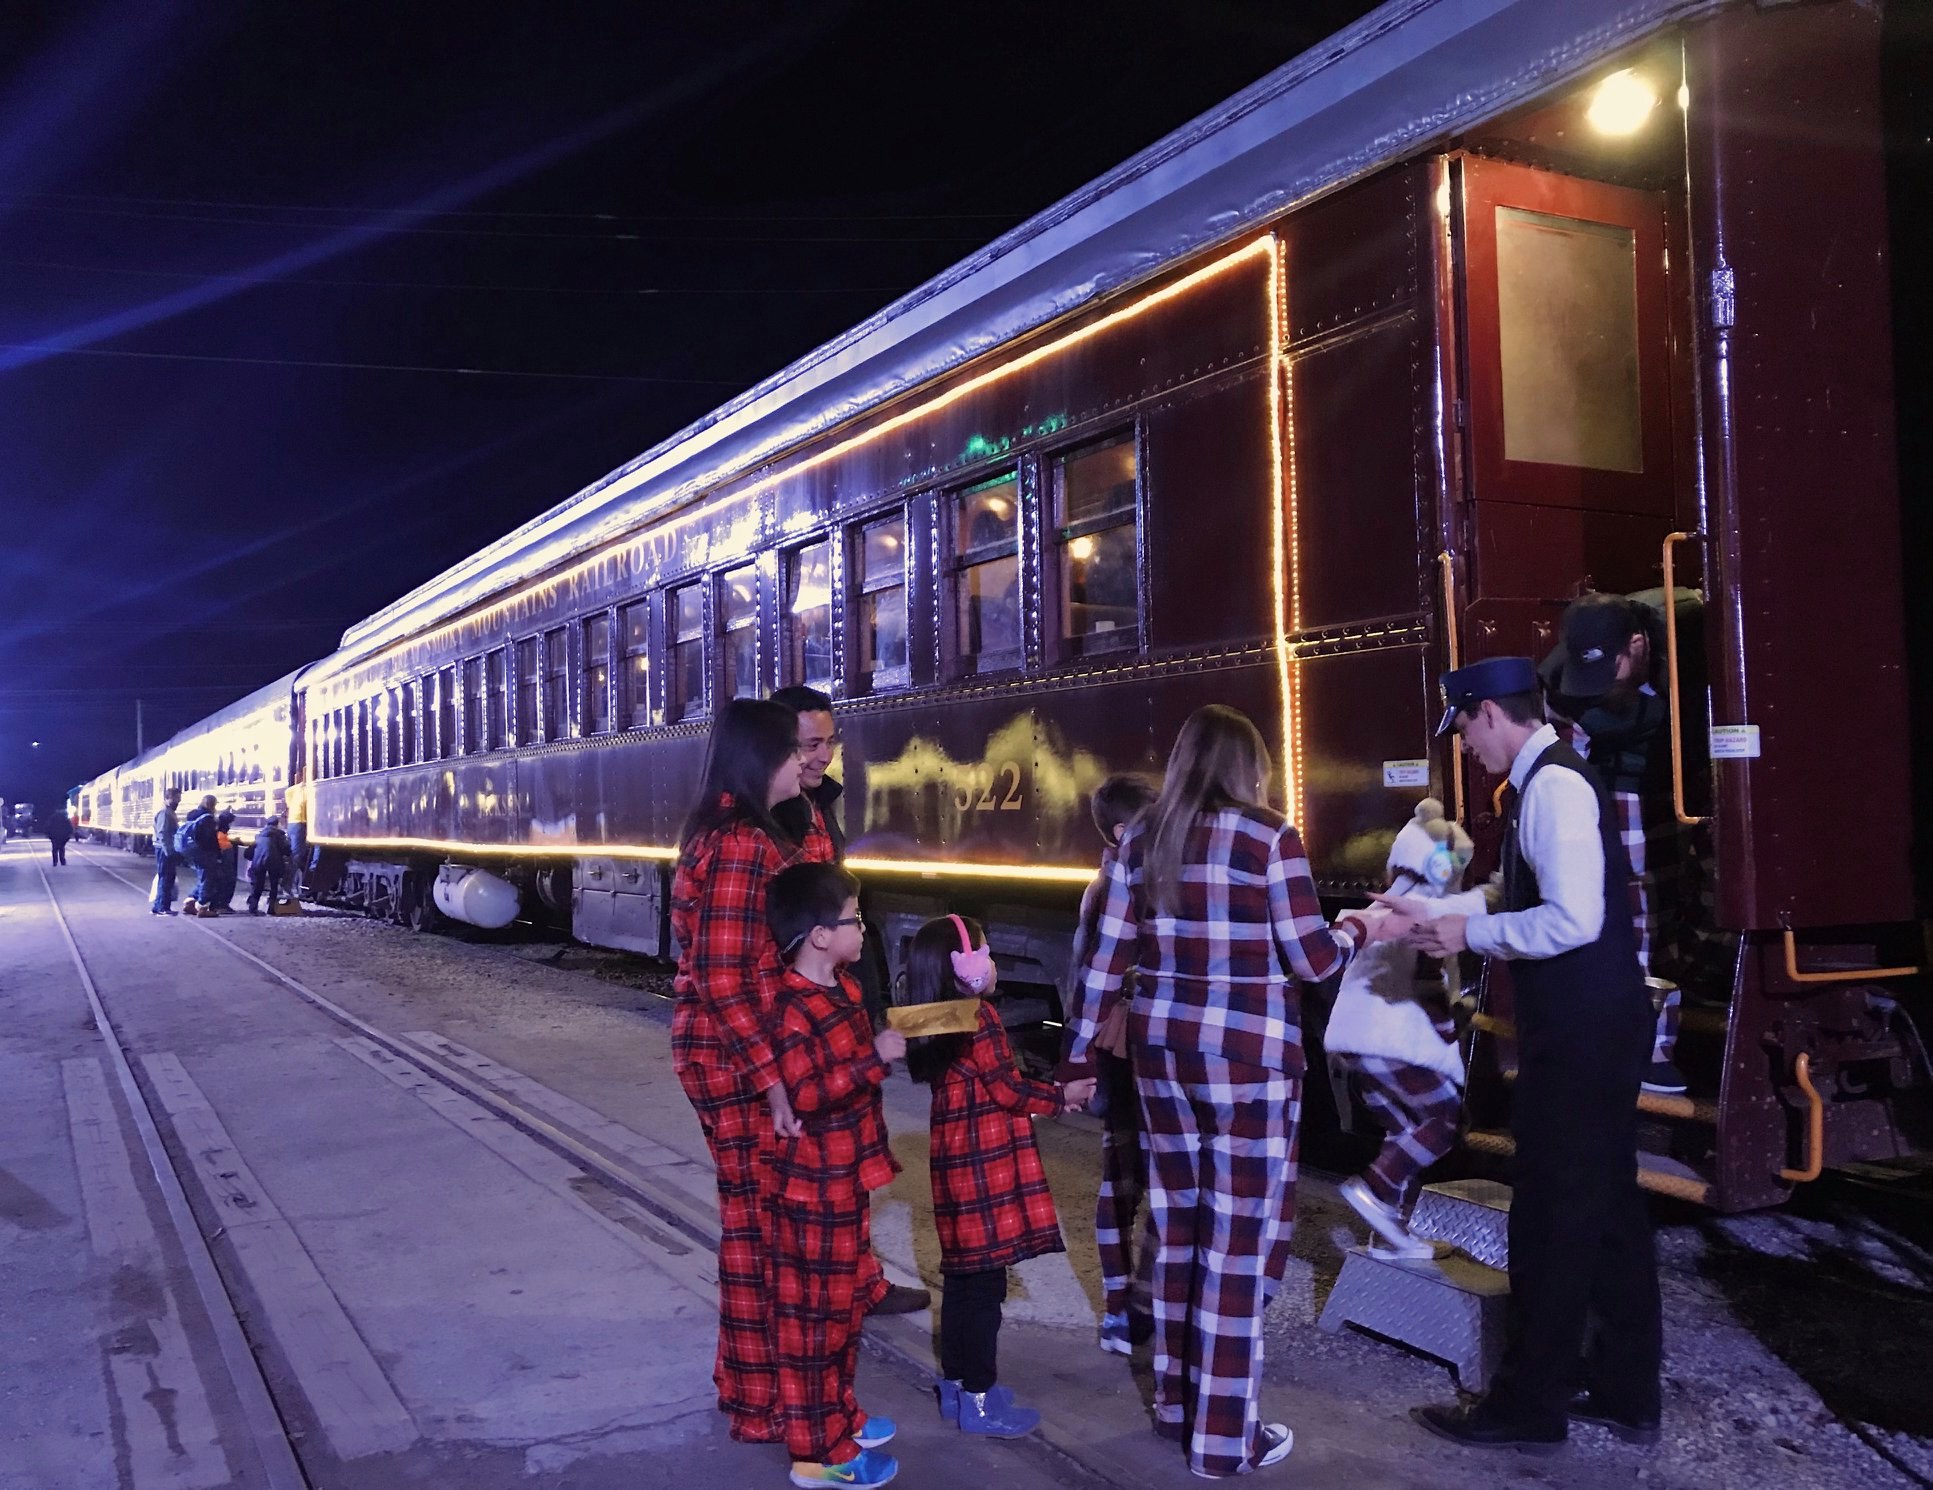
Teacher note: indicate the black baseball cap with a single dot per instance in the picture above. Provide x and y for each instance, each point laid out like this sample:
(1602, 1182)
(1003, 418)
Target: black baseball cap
(1494, 677)
(1595, 629)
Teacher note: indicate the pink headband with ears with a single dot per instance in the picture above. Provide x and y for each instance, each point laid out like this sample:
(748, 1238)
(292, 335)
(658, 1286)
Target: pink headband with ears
(972, 965)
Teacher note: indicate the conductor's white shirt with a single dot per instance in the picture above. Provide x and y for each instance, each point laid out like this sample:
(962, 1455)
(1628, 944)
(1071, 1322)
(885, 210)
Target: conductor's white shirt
(1557, 831)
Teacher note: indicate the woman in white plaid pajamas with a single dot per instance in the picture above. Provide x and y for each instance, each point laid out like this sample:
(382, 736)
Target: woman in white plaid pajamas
(1211, 903)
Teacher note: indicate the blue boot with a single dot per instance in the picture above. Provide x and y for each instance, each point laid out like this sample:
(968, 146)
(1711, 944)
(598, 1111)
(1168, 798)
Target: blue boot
(994, 1414)
(948, 1395)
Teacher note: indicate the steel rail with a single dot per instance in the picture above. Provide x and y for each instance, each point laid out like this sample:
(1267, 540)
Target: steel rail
(267, 1433)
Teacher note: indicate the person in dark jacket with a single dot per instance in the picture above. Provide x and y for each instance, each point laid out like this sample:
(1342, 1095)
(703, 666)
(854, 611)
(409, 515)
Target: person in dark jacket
(199, 850)
(59, 830)
(228, 868)
(268, 863)
(165, 858)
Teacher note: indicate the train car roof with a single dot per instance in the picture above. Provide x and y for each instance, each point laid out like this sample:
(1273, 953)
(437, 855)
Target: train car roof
(1408, 74)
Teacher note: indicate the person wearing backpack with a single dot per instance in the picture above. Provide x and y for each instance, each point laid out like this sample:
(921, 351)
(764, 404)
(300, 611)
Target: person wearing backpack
(268, 862)
(195, 842)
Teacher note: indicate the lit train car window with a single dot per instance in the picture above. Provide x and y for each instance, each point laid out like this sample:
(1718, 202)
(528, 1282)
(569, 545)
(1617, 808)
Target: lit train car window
(362, 761)
(635, 621)
(557, 684)
(986, 574)
(738, 596)
(529, 685)
(392, 728)
(410, 756)
(473, 706)
(446, 713)
(808, 616)
(496, 699)
(687, 652)
(597, 675)
(1095, 532)
(879, 612)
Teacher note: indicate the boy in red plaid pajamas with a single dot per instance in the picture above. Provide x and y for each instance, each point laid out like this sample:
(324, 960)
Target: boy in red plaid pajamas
(832, 1065)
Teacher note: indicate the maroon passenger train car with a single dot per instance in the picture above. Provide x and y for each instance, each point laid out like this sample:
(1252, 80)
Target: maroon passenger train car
(1366, 372)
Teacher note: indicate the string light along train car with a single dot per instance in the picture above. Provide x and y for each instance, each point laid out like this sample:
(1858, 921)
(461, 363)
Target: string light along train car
(244, 755)
(1362, 374)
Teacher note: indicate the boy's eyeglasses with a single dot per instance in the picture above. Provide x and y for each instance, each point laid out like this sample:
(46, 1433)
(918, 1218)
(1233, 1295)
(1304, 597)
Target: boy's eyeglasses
(859, 921)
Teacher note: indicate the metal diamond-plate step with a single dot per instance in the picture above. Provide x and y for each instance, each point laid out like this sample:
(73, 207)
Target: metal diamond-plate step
(1450, 1308)
(1471, 1215)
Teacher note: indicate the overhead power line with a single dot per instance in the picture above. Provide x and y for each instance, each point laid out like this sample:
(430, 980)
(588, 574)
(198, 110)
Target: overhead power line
(389, 228)
(391, 367)
(580, 216)
(418, 284)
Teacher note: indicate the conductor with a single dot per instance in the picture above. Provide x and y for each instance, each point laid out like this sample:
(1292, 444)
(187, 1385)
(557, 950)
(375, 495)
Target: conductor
(1584, 1310)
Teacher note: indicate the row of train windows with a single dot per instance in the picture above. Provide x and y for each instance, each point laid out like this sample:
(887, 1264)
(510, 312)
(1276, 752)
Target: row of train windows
(522, 694)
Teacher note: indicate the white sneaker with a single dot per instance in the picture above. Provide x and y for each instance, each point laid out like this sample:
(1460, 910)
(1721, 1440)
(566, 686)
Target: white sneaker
(1414, 1250)
(1280, 1438)
(1385, 1221)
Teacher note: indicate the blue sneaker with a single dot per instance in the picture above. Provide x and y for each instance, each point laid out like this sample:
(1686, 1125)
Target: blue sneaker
(878, 1430)
(868, 1467)
(948, 1395)
(1114, 1334)
(995, 1414)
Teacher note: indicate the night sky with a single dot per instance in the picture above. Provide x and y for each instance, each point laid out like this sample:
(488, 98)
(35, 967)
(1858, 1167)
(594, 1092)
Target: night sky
(262, 236)
(245, 248)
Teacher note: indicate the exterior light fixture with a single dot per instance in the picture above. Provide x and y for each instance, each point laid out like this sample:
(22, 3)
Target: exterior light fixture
(1621, 104)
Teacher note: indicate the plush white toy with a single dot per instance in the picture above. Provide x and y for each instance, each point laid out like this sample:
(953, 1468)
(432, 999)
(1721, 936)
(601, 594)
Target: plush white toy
(1391, 996)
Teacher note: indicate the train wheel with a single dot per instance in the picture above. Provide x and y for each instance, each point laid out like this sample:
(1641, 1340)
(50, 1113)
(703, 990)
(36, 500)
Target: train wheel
(419, 904)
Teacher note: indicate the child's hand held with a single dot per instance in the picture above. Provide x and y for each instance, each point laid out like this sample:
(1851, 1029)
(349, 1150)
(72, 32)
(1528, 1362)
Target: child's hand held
(1078, 1093)
(889, 1045)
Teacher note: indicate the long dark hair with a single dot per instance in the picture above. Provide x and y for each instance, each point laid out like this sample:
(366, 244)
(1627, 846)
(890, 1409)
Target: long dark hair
(750, 740)
(1218, 761)
(930, 980)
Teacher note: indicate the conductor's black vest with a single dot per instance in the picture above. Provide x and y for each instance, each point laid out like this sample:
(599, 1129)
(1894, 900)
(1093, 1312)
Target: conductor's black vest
(1587, 1005)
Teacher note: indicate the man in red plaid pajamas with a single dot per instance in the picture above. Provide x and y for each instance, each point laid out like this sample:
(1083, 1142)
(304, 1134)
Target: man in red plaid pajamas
(832, 1065)
(722, 1053)
(1216, 1034)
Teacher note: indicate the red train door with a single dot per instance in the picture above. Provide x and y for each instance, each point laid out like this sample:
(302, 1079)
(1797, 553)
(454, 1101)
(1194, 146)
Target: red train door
(1564, 356)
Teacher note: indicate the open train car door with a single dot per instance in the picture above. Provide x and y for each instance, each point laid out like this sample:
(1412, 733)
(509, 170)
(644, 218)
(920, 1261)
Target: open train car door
(1569, 480)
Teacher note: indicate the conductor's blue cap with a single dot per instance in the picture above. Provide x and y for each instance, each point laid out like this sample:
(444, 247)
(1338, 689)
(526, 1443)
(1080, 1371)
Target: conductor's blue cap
(1494, 677)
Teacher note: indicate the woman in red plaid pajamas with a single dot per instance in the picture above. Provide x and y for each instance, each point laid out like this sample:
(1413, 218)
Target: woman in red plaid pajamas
(1210, 904)
(991, 1204)
(722, 1028)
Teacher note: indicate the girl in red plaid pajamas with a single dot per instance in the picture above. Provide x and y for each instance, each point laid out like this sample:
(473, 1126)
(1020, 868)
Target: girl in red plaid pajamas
(991, 1205)
(1210, 904)
(1390, 1033)
(721, 1028)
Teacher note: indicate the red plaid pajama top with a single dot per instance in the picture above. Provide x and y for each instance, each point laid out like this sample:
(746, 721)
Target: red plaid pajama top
(722, 1017)
(826, 1058)
(1215, 978)
(991, 1204)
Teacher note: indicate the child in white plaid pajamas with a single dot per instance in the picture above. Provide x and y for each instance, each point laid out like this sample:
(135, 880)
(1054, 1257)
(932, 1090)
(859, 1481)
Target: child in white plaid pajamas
(1391, 1036)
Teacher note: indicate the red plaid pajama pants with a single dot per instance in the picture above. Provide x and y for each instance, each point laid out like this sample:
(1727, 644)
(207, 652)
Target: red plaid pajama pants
(1657, 873)
(738, 1129)
(1221, 1143)
(1418, 1110)
(819, 1305)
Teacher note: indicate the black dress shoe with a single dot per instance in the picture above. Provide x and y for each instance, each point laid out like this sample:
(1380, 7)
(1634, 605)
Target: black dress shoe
(902, 1300)
(1638, 1428)
(1481, 1427)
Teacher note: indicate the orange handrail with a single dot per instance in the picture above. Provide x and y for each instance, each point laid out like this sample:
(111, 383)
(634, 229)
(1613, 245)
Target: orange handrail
(1453, 651)
(1838, 975)
(1815, 1126)
(1671, 670)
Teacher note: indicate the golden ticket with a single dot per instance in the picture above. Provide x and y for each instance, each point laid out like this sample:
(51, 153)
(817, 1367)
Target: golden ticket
(951, 1017)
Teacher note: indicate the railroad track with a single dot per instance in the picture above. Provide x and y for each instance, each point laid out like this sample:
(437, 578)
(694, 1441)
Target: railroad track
(622, 1160)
